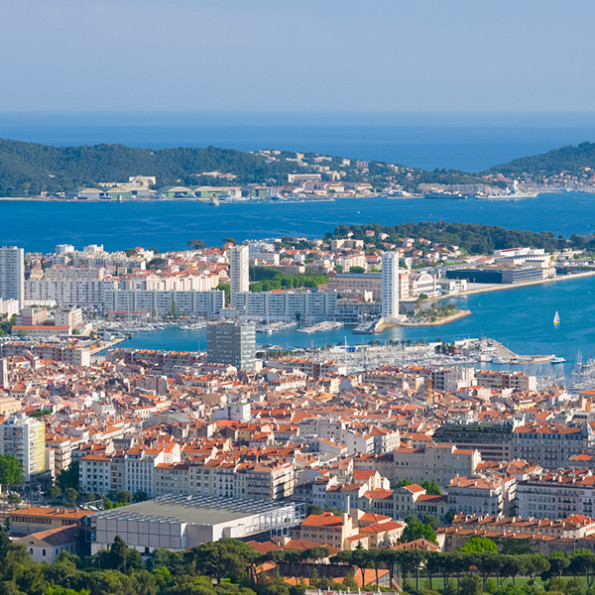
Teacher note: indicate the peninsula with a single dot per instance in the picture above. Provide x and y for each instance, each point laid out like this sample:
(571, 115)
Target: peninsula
(118, 172)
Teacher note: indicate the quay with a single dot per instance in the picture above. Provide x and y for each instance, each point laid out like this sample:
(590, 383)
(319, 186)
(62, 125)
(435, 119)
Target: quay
(108, 345)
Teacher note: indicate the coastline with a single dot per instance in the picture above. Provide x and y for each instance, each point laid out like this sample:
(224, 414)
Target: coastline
(306, 199)
(446, 320)
(501, 286)
(441, 322)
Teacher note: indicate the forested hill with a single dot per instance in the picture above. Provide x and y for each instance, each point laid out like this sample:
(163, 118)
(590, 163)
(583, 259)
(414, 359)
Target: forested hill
(31, 168)
(571, 159)
(28, 169)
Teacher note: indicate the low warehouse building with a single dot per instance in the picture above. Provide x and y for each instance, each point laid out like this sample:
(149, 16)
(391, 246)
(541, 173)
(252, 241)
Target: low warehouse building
(182, 522)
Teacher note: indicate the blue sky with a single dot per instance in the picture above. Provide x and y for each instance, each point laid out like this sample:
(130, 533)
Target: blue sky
(280, 55)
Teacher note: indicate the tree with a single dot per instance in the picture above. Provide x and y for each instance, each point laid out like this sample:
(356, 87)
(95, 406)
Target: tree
(470, 584)
(478, 545)
(559, 562)
(123, 497)
(13, 499)
(313, 509)
(229, 241)
(227, 558)
(69, 478)
(140, 496)
(197, 244)
(71, 494)
(10, 471)
(431, 487)
(156, 264)
(55, 492)
(415, 529)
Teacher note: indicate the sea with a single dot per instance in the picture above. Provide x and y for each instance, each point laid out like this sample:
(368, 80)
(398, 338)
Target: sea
(520, 318)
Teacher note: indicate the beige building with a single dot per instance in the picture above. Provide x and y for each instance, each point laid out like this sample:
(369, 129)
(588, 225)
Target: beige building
(482, 496)
(435, 462)
(25, 521)
(348, 531)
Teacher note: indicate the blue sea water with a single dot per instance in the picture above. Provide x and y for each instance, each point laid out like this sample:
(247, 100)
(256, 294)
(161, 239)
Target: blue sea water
(39, 226)
(520, 318)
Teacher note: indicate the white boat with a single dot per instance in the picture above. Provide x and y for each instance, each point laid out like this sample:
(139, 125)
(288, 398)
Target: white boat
(558, 360)
(556, 318)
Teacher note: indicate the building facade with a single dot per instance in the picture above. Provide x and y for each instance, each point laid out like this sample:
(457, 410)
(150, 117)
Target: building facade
(232, 343)
(12, 274)
(24, 438)
(239, 271)
(390, 286)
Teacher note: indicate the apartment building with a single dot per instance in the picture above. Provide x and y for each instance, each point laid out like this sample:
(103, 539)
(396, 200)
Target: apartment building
(557, 494)
(435, 462)
(267, 480)
(86, 294)
(24, 438)
(551, 445)
(239, 271)
(133, 470)
(163, 303)
(12, 274)
(358, 287)
(493, 441)
(500, 380)
(349, 531)
(482, 495)
(390, 286)
(287, 306)
(232, 343)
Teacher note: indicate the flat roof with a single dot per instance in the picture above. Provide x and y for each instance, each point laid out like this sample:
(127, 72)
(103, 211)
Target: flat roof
(194, 510)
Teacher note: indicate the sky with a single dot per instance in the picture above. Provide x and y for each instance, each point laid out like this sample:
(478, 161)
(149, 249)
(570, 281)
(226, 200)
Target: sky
(369, 56)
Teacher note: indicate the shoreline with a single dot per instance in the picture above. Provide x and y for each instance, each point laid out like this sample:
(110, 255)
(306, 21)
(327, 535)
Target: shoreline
(330, 197)
(446, 320)
(508, 286)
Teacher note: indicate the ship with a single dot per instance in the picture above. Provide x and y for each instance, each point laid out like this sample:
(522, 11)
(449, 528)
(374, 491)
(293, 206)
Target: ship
(556, 318)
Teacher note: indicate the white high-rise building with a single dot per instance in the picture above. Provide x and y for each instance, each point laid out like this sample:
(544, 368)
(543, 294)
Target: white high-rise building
(12, 274)
(390, 286)
(24, 438)
(239, 271)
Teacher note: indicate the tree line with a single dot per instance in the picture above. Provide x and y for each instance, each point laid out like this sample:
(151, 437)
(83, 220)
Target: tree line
(268, 279)
(473, 238)
(232, 567)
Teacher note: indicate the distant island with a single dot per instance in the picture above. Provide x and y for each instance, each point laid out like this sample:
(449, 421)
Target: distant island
(109, 171)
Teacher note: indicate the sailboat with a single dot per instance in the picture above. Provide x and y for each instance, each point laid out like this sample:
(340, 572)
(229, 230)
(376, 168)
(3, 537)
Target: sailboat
(556, 318)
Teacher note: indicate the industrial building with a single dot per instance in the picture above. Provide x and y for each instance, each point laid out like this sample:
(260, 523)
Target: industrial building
(182, 522)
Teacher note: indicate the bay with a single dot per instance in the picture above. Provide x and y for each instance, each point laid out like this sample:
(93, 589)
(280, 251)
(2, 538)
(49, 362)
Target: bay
(39, 226)
(520, 318)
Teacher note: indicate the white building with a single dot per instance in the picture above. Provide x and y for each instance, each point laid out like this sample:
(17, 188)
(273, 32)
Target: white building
(239, 270)
(163, 302)
(287, 306)
(24, 438)
(390, 286)
(12, 274)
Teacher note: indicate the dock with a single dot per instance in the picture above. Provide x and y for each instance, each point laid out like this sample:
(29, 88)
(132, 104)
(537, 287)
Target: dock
(107, 345)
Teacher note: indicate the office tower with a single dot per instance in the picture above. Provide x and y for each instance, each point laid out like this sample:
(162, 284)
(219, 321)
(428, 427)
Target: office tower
(390, 286)
(24, 438)
(12, 274)
(232, 343)
(239, 269)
